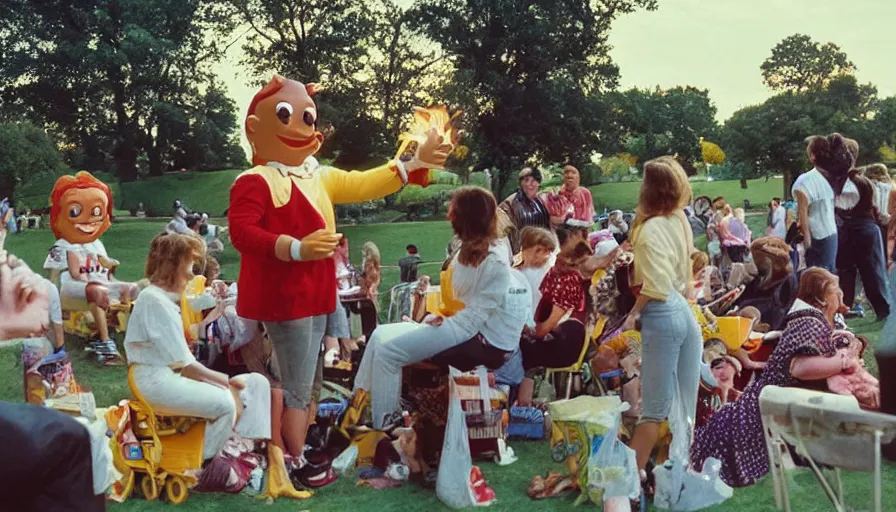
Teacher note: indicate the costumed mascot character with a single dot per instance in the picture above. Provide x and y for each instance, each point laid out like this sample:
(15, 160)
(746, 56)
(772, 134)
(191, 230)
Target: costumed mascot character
(282, 222)
(80, 213)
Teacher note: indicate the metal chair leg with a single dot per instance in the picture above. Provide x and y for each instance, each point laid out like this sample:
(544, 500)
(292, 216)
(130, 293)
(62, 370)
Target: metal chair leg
(774, 459)
(569, 376)
(877, 490)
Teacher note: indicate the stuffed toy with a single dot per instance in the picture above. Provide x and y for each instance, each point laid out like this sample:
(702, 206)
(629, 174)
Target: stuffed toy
(860, 384)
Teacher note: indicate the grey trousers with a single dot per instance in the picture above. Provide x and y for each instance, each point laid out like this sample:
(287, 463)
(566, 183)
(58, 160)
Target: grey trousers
(297, 346)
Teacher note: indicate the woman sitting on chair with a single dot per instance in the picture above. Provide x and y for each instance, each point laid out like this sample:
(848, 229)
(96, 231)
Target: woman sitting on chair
(483, 332)
(556, 341)
(165, 371)
(804, 357)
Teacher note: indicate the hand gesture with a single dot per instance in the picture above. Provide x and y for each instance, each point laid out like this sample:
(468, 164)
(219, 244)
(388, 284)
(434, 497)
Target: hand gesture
(433, 320)
(434, 151)
(237, 383)
(24, 305)
(319, 245)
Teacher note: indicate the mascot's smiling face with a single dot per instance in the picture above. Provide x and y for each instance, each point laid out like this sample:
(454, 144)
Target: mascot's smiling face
(281, 123)
(81, 208)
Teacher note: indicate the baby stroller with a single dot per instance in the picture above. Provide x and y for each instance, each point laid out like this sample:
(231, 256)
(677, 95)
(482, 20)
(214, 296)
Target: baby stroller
(152, 451)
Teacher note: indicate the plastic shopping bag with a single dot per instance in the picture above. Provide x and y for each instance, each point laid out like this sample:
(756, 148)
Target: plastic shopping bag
(104, 472)
(580, 427)
(678, 487)
(459, 484)
(613, 469)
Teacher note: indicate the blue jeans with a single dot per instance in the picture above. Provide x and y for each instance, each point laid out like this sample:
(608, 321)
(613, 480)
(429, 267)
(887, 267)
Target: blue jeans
(671, 351)
(823, 253)
(861, 253)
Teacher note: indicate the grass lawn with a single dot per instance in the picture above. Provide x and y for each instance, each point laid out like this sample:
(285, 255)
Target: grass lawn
(624, 196)
(128, 242)
(209, 192)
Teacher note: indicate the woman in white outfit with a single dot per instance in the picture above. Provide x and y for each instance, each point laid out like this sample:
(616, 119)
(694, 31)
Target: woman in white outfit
(485, 331)
(165, 371)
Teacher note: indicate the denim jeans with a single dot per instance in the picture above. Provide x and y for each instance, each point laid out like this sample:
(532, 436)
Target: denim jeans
(823, 253)
(671, 351)
(861, 252)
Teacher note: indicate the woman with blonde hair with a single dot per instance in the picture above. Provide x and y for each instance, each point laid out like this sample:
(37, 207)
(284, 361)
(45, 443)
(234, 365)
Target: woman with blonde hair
(672, 342)
(165, 371)
(483, 332)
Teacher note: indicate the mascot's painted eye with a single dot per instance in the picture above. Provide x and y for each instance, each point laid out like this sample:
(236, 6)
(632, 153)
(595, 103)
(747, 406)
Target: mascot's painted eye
(284, 112)
(310, 116)
(74, 211)
(97, 211)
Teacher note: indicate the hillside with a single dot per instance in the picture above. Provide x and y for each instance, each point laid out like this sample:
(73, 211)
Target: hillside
(209, 192)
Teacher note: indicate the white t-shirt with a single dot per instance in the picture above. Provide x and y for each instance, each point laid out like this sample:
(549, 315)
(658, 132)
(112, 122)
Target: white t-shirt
(88, 256)
(821, 203)
(779, 222)
(155, 334)
(882, 198)
(849, 196)
(534, 276)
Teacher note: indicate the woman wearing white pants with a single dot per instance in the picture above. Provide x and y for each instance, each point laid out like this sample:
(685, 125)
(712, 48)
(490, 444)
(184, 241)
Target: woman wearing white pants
(165, 371)
(485, 331)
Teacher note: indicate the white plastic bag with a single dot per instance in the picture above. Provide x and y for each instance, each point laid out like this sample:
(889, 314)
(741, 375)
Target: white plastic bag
(104, 472)
(346, 460)
(453, 481)
(614, 468)
(678, 487)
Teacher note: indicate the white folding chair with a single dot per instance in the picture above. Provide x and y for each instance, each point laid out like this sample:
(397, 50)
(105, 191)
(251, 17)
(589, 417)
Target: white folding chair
(826, 429)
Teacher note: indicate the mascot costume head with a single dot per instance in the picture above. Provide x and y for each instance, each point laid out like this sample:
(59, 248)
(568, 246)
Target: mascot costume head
(80, 208)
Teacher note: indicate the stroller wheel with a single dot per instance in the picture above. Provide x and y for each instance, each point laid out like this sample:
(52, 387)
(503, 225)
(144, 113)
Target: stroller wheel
(149, 487)
(176, 490)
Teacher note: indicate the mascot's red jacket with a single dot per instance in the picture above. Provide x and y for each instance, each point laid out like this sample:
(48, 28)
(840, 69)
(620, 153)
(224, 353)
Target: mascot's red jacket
(281, 211)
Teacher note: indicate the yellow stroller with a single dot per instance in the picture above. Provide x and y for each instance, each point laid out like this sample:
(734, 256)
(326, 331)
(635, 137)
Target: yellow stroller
(158, 451)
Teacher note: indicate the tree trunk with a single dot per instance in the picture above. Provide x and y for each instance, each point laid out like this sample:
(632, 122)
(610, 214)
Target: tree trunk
(743, 182)
(788, 184)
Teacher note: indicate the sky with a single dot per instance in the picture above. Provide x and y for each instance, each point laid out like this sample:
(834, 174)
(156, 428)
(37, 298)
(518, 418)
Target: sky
(716, 45)
(720, 44)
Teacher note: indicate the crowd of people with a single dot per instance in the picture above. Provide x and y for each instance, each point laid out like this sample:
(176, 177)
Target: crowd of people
(518, 284)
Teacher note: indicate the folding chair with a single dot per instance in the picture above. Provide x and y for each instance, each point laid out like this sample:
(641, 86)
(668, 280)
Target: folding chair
(826, 429)
(575, 369)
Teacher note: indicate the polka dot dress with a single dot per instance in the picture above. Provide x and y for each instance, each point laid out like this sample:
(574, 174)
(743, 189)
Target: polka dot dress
(734, 434)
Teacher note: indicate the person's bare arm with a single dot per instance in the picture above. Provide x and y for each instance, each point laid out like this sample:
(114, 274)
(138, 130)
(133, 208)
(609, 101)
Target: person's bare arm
(822, 367)
(542, 328)
(802, 210)
(200, 373)
(58, 335)
(74, 267)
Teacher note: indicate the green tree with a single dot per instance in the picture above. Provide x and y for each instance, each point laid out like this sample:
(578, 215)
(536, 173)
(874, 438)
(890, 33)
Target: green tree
(117, 79)
(26, 153)
(528, 74)
(799, 64)
(665, 122)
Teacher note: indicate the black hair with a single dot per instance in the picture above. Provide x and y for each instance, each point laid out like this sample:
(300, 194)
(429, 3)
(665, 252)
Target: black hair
(411, 248)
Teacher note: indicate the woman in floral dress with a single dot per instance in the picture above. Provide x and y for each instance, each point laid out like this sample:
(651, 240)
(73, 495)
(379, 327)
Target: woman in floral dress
(804, 357)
